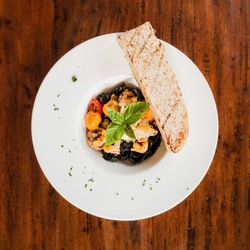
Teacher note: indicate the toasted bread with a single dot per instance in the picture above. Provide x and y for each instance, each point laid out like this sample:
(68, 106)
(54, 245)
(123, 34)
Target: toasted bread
(155, 77)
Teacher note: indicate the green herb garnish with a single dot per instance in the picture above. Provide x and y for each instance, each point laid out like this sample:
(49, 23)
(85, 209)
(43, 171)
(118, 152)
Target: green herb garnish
(116, 117)
(91, 180)
(114, 133)
(55, 107)
(70, 174)
(134, 111)
(121, 122)
(74, 78)
(129, 132)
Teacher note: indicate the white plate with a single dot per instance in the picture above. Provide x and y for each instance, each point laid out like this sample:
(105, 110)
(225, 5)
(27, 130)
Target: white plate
(114, 190)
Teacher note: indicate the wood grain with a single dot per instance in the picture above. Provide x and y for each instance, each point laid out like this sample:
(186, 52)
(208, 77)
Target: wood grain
(214, 34)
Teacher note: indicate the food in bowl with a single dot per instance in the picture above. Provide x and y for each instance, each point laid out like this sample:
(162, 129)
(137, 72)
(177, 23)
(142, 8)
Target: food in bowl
(120, 124)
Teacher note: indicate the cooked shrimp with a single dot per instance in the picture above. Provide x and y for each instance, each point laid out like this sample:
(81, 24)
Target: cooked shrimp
(96, 138)
(112, 104)
(148, 115)
(140, 147)
(113, 149)
(143, 131)
(114, 97)
(126, 98)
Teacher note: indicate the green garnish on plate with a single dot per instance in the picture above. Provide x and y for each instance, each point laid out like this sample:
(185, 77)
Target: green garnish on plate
(121, 122)
(74, 78)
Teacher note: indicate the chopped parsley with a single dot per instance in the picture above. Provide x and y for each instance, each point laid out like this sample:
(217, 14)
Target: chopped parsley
(70, 174)
(91, 179)
(62, 146)
(85, 185)
(55, 107)
(74, 78)
(58, 95)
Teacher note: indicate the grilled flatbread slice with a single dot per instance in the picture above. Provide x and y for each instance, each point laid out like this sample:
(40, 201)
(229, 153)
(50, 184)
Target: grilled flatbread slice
(147, 59)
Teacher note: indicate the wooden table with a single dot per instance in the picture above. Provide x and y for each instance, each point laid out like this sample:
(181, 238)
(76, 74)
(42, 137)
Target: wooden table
(35, 34)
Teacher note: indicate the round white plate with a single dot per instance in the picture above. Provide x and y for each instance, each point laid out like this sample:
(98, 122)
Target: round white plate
(115, 190)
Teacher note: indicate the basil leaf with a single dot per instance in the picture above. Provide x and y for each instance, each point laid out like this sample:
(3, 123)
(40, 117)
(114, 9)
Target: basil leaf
(134, 111)
(121, 122)
(115, 117)
(114, 132)
(129, 132)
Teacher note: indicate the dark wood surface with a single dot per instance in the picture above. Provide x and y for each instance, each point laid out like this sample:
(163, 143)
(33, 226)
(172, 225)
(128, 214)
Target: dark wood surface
(214, 34)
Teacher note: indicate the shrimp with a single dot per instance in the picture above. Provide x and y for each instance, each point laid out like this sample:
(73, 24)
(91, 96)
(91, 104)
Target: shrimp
(143, 131)
(96, 138)
(148, 116)
(140, 147)
(113, 149)
(126, 98)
